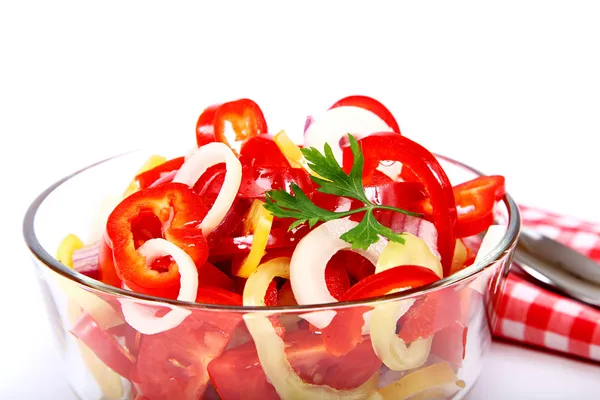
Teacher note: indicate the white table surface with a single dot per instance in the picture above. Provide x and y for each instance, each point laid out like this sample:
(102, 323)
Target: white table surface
(512, 88)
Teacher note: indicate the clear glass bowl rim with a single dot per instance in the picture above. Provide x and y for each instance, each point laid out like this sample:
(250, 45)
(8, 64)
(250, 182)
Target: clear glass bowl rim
(32, 242)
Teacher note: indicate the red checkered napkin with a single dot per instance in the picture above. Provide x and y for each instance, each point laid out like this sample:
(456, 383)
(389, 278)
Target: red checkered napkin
(533, 315)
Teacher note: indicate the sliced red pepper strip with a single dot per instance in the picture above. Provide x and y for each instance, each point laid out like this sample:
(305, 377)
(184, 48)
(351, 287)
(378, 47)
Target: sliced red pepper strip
(262, 151)
(230, 123)
(393, 147)
(147, 178)
(480, 195)
(106, 347)
(176, 210)
(344, 332)
(370, 104)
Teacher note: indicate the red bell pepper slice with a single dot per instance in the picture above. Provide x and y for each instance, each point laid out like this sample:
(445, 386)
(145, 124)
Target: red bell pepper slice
(175, 210)
(230, 123)
(262, 151)
(393, 147)
(480, 196)
(370, 104)
(256, 180)
(147, 178)
(107, 272)
(344, 332)
(104, 345)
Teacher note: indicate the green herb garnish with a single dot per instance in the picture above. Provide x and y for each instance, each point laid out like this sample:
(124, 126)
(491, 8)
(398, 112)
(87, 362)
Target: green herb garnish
(333, 180)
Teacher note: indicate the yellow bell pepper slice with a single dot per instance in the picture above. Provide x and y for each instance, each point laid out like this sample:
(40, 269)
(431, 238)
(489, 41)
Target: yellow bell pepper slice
(460, 256)
(291, 151)
(258, 222)
(152, 162)
(432, 382)
(66, 248)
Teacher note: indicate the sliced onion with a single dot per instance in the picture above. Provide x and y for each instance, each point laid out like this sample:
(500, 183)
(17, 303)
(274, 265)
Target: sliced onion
(308, 122)
(193, 168)
(337, 122)
(142, 317)
(271, 354)
(259, 280)
(392, 350)
(100, 216)
(309, 260)
(417, 226)
(85, 261)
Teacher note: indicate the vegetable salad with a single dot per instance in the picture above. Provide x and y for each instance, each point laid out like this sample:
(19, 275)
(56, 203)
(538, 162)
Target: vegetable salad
(250, 218)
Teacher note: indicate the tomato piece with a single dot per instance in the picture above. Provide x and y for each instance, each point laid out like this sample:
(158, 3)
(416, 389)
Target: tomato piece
(172, 364)
(279, 238)
(450, 343)
(211, 276)
(337, 279)
(262, 151)
(147, 178)
(217, 295)
(286, 295)
(307, 356)
(104, 345)
(230, 123)
(272, 294)
(357, 266)
(370, 104)
(430, 315)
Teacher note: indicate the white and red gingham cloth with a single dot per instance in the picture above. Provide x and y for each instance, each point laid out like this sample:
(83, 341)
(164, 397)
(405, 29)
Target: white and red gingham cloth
(535, 316)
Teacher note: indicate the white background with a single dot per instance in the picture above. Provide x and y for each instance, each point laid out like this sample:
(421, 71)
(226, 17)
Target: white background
(510, 87)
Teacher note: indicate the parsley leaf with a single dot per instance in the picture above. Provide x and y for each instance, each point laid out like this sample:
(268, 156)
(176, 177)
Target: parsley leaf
(333, 180)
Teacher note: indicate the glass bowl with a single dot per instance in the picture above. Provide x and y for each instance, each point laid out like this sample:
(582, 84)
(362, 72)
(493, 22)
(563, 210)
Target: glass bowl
(235, 352)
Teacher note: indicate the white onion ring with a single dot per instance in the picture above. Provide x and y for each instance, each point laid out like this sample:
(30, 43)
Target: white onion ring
(309, 260)
(390, 349)
(142, 318)
(192, 169)
(337, 122)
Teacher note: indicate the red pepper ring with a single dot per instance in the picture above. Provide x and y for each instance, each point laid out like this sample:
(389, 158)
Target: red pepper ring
(177, 209)
(480, 196)
(230, 123)
(388, 146)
